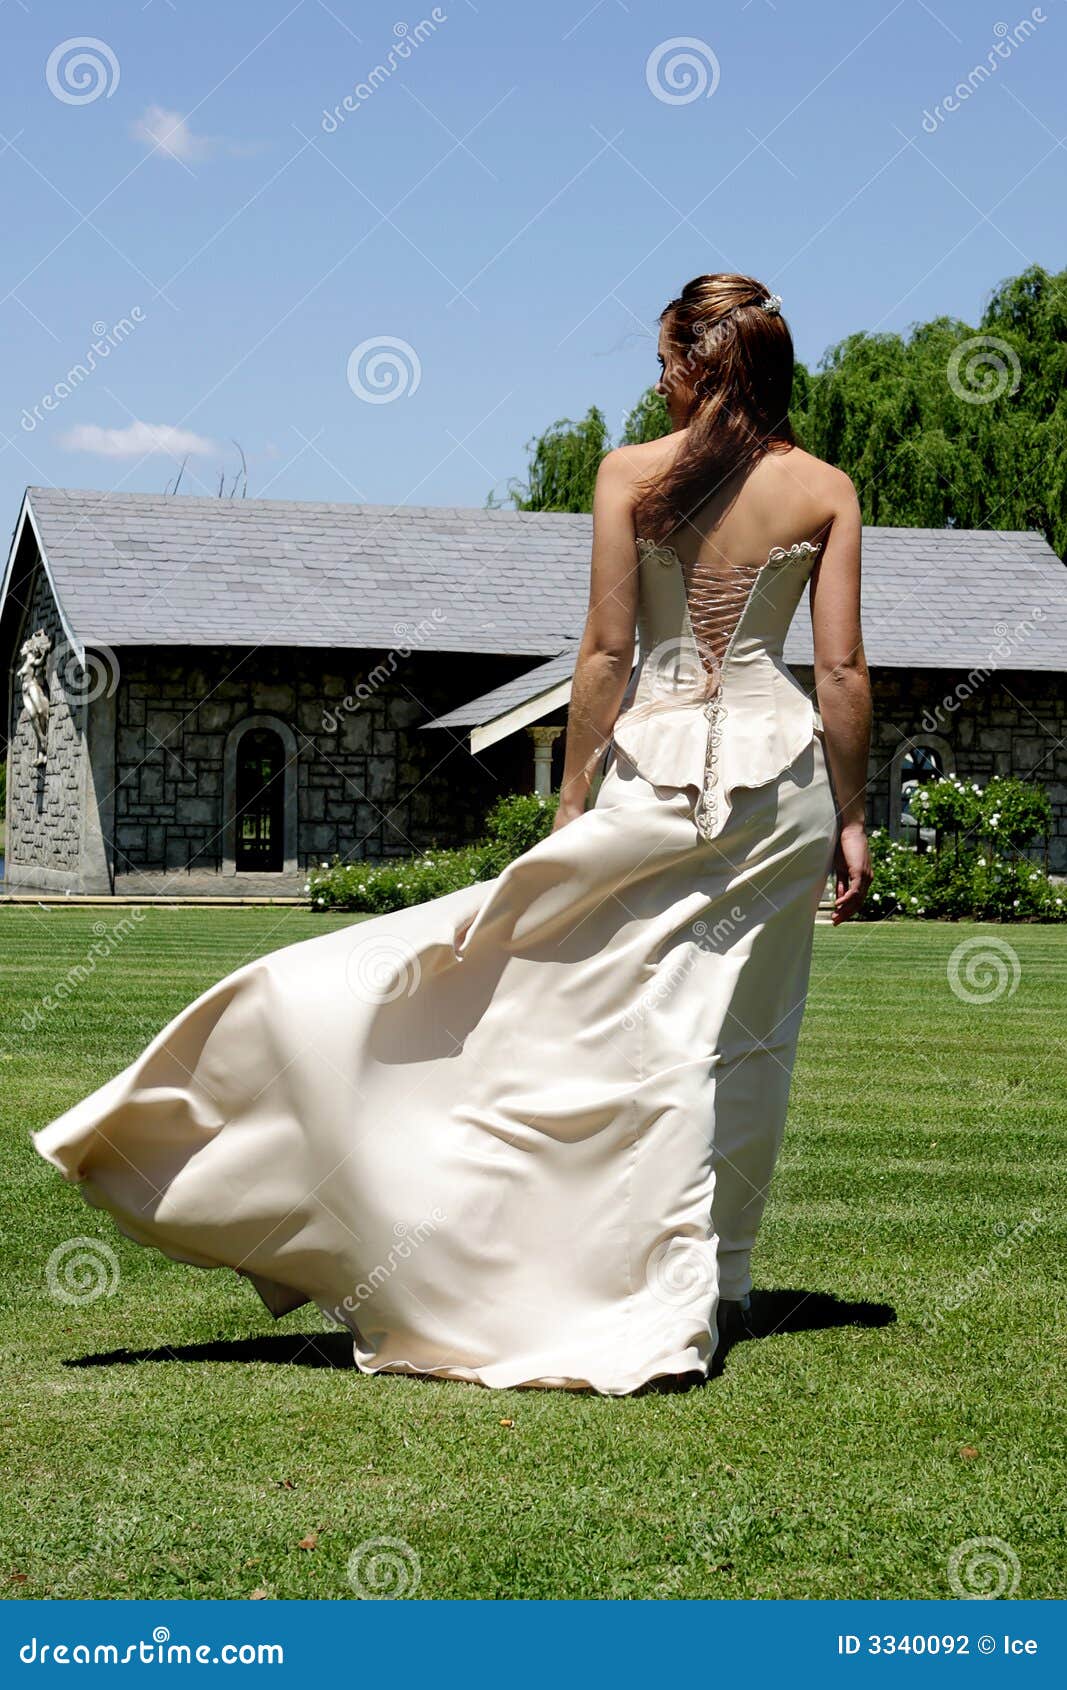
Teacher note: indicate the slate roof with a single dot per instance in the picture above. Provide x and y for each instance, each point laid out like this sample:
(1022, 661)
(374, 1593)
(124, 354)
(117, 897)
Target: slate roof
(145, 569)
(517, 691)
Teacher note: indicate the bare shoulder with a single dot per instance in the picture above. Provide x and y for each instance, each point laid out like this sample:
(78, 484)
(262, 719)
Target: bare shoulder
(829, 485)
(626, 467)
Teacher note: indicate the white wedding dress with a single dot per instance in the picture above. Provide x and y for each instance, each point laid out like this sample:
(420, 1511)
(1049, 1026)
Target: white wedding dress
(522, 1134)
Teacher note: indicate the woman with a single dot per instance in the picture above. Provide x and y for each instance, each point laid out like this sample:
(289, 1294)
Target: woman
(522, 1134)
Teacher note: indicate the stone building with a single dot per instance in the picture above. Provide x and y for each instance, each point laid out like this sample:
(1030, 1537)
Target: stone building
(209, 695)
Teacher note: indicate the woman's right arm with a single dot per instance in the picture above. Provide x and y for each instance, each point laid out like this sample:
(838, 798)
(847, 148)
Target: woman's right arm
(843, 690)
(606, 653)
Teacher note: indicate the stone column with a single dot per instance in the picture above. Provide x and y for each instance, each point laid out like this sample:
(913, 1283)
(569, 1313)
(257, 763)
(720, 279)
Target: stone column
(543, 741)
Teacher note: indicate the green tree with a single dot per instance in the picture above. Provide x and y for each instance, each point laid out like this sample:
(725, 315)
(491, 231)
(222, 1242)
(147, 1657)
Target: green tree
(563, 463)
(649, 420)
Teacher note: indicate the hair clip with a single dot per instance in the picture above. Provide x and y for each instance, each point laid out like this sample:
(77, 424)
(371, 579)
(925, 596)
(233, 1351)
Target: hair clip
(772, 304)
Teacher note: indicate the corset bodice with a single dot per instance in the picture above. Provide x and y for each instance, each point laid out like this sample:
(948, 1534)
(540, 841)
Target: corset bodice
(711, 703)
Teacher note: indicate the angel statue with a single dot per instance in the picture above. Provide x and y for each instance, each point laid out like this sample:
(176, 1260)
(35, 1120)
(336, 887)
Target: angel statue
(34, 654)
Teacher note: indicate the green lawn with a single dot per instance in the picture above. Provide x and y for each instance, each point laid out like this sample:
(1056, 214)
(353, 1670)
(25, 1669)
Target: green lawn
(828, 1460)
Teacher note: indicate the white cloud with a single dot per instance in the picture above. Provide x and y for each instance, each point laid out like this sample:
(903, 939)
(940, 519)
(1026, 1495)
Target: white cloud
(169, 132)
(137, 441)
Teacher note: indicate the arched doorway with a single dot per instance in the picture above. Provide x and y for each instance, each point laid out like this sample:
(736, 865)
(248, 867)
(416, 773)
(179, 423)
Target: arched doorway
(259, 795)
(259, 786)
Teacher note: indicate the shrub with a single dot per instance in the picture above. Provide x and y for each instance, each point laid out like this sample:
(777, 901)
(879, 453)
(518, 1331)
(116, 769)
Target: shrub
(1014, 813)
(900, 878)
(950, 805)
(1010, 814)
(962, 877)
(513, 825)
(1004, 891)
(377, 887)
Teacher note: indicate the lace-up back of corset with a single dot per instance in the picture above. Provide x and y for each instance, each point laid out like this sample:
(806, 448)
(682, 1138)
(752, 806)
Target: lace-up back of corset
(707, 605)
(711, 638)
(716, 599)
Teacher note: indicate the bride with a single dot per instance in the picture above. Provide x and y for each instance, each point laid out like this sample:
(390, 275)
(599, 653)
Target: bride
(523, 1134)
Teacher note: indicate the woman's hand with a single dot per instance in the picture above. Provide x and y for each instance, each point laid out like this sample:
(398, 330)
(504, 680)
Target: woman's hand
(852, 869)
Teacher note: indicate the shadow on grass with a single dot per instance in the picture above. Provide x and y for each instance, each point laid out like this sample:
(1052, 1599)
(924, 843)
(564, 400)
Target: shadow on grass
(289, 1349)
(773, 1314)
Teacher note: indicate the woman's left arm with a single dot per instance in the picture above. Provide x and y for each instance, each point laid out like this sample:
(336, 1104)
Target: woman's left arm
(606, 652)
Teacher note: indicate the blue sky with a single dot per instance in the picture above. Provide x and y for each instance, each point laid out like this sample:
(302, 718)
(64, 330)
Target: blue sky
(512, 201)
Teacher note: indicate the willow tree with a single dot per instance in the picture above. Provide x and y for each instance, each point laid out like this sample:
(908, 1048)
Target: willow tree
(563, 463)
(954, 425)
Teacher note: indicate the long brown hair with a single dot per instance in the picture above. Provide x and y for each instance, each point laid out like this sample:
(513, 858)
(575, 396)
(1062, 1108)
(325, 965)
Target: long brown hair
(736, 359)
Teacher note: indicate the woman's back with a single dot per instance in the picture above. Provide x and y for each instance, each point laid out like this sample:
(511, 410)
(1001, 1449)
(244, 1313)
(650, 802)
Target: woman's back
(786, 496)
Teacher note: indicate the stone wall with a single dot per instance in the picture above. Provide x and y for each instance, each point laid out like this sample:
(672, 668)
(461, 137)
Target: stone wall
(368, 783)
(44, 816)
(1011, 722)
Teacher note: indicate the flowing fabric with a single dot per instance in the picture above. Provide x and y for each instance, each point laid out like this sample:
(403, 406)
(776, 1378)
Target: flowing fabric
(522, 1134)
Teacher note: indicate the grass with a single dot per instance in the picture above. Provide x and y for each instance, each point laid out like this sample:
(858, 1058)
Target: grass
(828, 1460)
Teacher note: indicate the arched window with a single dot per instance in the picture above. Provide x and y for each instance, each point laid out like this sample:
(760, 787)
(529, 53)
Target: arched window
(259, 788)
(915, 763)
